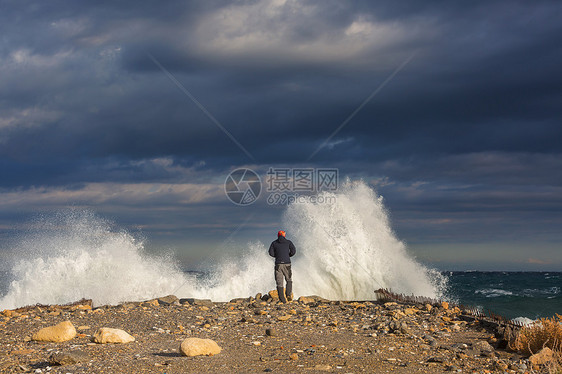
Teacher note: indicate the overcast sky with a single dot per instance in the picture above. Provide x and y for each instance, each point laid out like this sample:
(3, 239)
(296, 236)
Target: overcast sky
(139, 110)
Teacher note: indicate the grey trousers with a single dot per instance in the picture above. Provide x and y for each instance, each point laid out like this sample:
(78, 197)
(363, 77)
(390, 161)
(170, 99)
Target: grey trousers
(283, 271)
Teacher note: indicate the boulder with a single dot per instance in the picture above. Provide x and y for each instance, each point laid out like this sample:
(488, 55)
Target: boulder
(199, 347)
(59, 333)
(110, 335)
(168, 300)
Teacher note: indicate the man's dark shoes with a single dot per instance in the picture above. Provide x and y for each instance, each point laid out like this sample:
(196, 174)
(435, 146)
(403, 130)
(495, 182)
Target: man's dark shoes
(289, 291)
(281, 293)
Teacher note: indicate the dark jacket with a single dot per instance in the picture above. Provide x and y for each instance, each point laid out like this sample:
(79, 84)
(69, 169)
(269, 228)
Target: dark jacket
(282, 249)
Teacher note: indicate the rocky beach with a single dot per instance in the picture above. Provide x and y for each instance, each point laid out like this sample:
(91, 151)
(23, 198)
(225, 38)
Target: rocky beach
(254, 334)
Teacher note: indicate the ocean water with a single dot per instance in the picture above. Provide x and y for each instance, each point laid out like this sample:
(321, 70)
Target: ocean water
(531, 295)
(347, 250)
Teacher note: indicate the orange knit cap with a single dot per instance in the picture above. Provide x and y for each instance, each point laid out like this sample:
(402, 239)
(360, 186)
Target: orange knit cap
(281, 233)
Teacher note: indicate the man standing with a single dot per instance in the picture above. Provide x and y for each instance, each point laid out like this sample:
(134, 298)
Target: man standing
(283, 249)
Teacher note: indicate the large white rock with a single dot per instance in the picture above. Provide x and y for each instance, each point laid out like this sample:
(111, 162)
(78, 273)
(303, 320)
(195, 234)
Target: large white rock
(59, 333)
(199, 347)
(110, 335)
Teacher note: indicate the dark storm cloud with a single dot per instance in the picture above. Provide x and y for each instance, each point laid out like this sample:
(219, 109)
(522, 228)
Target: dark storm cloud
(484, 79)
(470, 124)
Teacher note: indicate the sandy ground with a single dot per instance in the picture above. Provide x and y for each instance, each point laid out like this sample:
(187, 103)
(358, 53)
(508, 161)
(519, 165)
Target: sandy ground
(313, 335)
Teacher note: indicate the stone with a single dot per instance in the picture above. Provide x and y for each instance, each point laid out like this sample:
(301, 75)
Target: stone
(437, 359)
(22, 352)
(82, 307)
(283, 318)
(483, 346)
(59, 333)
(199, 347)
(294, 356)
(273, 294)
(306, 300)
(322, 367)
(168, 300)
(68, 358)
(270, 332)
(8, 313)
(542, 357)
(445, 305)
(152, 302)
(111, 335)
(198, 302)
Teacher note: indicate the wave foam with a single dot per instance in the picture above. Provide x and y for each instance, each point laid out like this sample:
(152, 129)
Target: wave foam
(346, 250)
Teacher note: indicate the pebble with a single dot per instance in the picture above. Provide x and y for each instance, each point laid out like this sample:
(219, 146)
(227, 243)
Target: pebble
(322, 367)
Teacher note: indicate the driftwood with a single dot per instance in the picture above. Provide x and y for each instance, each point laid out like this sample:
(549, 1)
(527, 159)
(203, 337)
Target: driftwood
(488, 316)
(46, 306)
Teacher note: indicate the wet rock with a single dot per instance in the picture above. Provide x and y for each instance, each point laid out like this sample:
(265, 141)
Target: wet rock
(199, 347)
(68, 358)
(168, 300)
(59, 333)
(109, 335)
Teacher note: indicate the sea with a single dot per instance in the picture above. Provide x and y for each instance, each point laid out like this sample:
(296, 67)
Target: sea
(347, 250)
